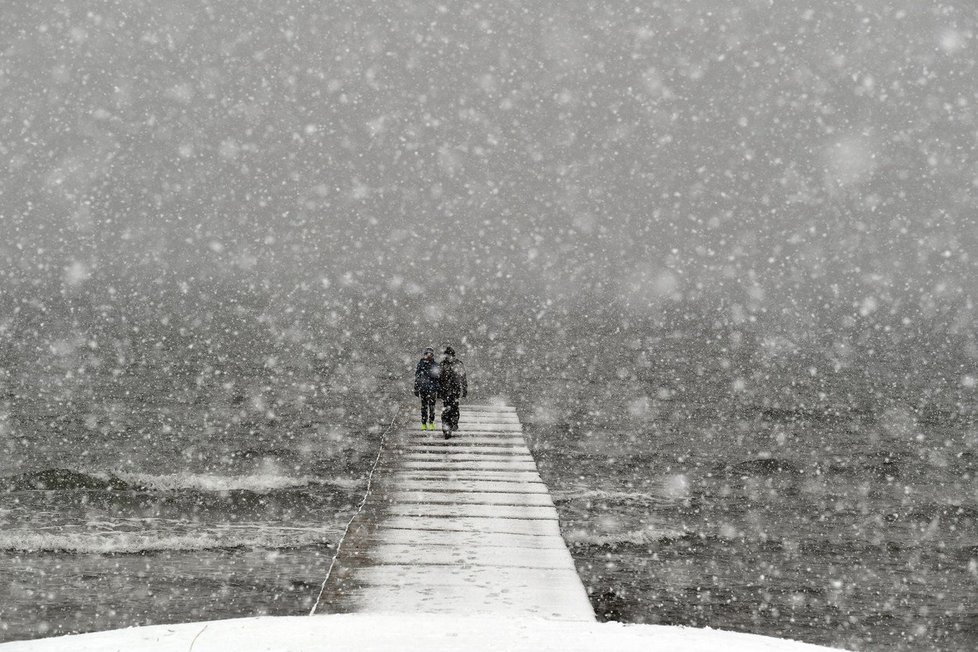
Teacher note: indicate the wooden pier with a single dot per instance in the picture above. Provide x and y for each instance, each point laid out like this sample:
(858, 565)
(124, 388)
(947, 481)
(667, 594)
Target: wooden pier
(457, 526)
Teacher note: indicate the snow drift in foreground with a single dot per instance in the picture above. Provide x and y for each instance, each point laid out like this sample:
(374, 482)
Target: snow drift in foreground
(427, 633)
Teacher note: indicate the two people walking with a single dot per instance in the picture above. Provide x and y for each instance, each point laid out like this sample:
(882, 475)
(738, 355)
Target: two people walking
(445, 380)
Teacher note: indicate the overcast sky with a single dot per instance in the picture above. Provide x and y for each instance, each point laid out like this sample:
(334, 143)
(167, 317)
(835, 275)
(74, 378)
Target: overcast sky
(818, 151)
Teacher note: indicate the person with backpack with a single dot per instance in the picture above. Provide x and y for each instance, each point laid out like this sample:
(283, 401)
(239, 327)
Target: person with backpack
(426, 385)
(453, 385)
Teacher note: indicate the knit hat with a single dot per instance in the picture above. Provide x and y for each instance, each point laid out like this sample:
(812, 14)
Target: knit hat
(449, 350)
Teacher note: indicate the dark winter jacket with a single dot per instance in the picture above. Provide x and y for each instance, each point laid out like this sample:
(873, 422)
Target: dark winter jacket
(453, 382)
(426, 377)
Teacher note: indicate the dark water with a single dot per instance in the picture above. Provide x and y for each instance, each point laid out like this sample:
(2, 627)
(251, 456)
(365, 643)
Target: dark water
(203, 470)
(168, 490)
(854, 527)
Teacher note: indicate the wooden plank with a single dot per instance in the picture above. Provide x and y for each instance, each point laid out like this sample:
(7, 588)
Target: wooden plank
(441, 554)
(455, 475)
(455, 497)
(489, 458)
(501, 466)
(518, 512)
(472, 538)
(408, 483)
(477, 524)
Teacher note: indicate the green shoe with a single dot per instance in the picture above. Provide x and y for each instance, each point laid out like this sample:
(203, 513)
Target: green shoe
(424, 426)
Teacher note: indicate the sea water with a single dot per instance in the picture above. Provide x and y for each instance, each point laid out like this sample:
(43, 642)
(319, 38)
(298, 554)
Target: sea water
(761, 491)
(833, 506)
(147, 501)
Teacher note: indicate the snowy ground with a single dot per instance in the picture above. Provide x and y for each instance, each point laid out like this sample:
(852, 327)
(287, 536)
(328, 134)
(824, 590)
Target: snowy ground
(430, 633)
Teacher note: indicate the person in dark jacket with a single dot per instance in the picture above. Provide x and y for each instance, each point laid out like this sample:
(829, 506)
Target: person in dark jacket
(453, 386)
(426, 384)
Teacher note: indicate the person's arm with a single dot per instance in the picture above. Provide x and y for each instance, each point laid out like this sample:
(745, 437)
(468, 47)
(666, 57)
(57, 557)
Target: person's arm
(465, 383)
(417, 380)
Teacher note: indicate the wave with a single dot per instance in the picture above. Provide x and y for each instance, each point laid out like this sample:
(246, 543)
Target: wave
(68, 479)
(630, 537)
(764, 466)
(802, 414)
(948, 512)
(603, 495)
(150, 542)
(209, 482)
(259, 453)
(61, 479)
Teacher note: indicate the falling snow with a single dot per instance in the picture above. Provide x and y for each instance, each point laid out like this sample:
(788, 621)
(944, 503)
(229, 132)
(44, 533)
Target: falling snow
(720, 254)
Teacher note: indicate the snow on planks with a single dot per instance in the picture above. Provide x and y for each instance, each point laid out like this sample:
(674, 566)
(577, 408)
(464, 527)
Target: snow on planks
(458, 526)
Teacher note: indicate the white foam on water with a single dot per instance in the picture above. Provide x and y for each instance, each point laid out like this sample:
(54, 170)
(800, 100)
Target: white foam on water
(108, 538)
(635, 536)
(635, 497)
(270, 480)
(207, 482)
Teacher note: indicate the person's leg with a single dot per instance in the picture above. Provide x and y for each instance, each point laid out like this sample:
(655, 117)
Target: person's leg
(425, 411)
(450, 415)
(446, 415)
(430, 405)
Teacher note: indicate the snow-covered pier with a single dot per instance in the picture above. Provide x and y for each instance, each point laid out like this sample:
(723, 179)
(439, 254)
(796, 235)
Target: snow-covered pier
(457, 526)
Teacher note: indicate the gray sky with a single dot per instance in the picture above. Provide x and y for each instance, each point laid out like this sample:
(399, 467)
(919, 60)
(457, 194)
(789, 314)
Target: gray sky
(817, 152)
